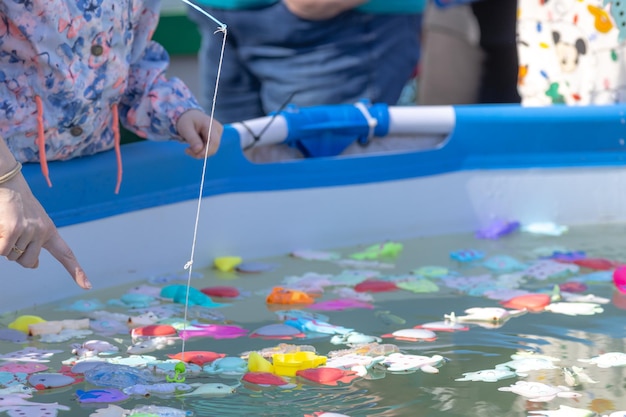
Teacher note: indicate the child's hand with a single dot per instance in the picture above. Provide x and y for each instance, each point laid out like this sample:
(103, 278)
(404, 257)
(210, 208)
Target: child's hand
(193, 127)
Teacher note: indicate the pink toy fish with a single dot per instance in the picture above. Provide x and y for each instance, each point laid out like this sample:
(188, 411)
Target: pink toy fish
(27, 368)
(216, 331)
(264, 378)
(327, 376)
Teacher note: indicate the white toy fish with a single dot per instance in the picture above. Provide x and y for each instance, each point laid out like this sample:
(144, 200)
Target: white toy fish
(539, 392)
(607, 360)
(574, 309)
(488, 375)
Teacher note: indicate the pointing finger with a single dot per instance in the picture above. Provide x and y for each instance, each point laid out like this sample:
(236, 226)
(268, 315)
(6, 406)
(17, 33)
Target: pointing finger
(59, 249)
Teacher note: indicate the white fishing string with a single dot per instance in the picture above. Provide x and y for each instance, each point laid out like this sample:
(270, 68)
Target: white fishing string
(189, 264)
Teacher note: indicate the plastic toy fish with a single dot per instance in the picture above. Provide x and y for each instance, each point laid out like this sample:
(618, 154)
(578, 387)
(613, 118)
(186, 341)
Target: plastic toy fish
(215, 331)
(266, 379)
(597, 264)
(30, 354)
(530, 302)
(279, 331)
(327, 376)
(386, 250)
(24, 391)
(497, 229)
(211, 390)
(548, 269)
(27, 368)
(221, 291)
(93, 348)
(158, 389)
(491, 317)
(284, 315)
(281, 295)
(413, 335)
(188, 296)
(153, 330)
(317, 326)
(229, 366)
(198, 357)
(16, 406)
(145, 319)
(402, 363)
(85, 305)
(418, 285)
(312, 255)
(8, 379)
(584, 298)
(545, 228)
(375, 285)
(109, 395)
(12, 335)
(607, 360)
(575, 376)
(523, 365)
(575, 309)
(503, 264)
(43, 381)
(539, 392)
(359, 364)
(467, 255)
(150, 345)
(353, 339)
(442, 326)
(488, 375)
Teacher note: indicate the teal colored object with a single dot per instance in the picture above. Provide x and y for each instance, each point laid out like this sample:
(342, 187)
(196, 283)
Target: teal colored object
(393, 6)
(374, 6)
(235, 4)
(178, 294)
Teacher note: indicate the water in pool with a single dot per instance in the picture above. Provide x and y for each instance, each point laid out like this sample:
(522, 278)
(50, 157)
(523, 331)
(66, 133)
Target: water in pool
(539, 360)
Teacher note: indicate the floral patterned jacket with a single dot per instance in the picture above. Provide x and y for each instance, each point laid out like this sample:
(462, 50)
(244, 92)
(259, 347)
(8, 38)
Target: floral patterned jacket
(68, 66)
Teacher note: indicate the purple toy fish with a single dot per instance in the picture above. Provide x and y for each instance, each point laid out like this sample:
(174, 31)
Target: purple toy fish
(105, 395)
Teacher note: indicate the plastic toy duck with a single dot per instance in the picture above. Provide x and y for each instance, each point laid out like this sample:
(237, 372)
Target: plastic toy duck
(288, 364)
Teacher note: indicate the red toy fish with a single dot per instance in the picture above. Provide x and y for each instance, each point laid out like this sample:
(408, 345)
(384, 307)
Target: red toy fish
(264, 378)
(327, 375)
(197, 357)
(530, 302)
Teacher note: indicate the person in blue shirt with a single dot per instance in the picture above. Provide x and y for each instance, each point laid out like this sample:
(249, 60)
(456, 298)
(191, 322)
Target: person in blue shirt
(306, 52)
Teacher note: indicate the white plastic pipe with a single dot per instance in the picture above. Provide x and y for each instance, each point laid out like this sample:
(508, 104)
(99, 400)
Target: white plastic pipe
(403, 120)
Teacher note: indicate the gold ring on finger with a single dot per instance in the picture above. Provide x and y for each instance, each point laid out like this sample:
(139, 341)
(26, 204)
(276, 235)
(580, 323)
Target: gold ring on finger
(18, 250)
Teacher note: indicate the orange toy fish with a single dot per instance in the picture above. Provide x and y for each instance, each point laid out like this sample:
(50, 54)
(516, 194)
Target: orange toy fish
(281, 295)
